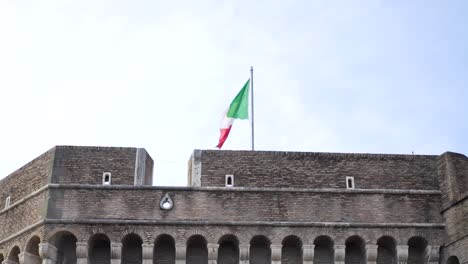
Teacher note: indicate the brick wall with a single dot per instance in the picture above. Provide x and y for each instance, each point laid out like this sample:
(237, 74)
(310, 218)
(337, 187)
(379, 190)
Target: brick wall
(149, 163)
(19, 186)
(85, 165)
(453, 178)
(458, 249)
(212, 205)
(317, 170)
(26, 179)
(23, 215)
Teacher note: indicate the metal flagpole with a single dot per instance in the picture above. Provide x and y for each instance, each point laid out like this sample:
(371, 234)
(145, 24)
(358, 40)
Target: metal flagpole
(252, 106)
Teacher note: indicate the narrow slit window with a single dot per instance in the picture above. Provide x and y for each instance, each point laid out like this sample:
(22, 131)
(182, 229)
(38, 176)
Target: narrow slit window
(349, 182)
(7, 202)
(106, 178)
(229, 180)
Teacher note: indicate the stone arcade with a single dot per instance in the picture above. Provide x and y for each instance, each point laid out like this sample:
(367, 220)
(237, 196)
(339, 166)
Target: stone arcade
(97, 205)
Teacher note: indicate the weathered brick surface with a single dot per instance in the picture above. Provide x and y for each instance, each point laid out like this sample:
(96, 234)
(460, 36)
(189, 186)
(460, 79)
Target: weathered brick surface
(306, 209)
(85, 165)
(26, 179)
(318, 170)
(22, 216)
(137, 203)
(18, 185)
(453, 178)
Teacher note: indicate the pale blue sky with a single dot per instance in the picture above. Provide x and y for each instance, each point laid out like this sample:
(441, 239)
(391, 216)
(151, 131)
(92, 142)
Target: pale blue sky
(330, 76)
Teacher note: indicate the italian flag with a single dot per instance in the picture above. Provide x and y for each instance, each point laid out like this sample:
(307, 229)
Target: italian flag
(238, 109)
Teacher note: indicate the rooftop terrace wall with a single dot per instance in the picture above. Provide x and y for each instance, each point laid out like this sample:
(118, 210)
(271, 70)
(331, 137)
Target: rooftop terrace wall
(27, 179)
(314, 170)
(86, 165)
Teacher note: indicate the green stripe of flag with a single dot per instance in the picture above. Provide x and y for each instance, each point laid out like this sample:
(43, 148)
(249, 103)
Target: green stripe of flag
(239, 108)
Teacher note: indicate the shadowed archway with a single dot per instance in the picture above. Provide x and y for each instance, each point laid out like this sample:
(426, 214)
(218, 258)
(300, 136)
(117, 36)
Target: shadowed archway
(386, 251)
(13, 256)
(453, 260)
(323, 250)
(164, 250)
(291, 250)
(31, 254)
(355, 252)
(65, 242)
(197, 251)
(416, 250)
(132, 249)
(260, 251)
(228, 252)
(99, 249)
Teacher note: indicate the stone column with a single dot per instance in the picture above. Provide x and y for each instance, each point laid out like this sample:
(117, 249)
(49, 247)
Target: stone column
(402, 254)
(244, 253)
(181, 253)
(147, 253)
(371, 252)
(9, 261)
(308, 254)
(212, 253)
(81, 252)
(340, 251)
(21, 258)
(432, 254)
(275, 254)
(29, 258)
(47, 252)
(116, 252)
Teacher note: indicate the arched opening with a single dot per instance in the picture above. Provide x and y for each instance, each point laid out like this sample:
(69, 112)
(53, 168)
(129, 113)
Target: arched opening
(416, 248)
(323, 250)
(31, 254)
(99, 249)
(386, 250)
(355, 252)
(453, 260)
(164, 250)
(197, 252)
(291, 251)
(2, 258)
(65, 242)
(131, 249)
(228, 251)
(14, 254)
(260, 251)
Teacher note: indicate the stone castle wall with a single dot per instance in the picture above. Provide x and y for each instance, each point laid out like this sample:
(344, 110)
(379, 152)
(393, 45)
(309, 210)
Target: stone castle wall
(316, 170)
(220, 205)
(453, 178)
(27, 179)
(284, 207)
(28, 188)
(85, 165)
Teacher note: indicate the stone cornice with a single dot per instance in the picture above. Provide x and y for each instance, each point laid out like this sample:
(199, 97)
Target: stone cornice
(244, 223)
(247, 189)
